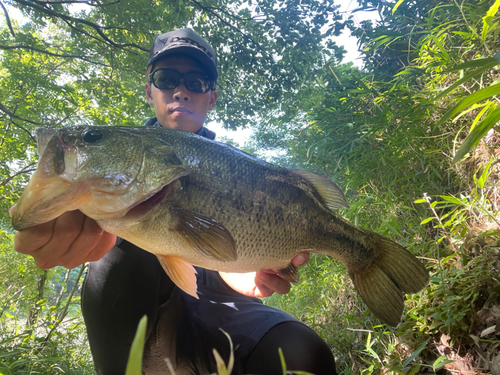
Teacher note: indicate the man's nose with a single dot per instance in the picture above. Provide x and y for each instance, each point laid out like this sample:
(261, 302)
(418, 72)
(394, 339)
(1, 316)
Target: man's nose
(181, 93)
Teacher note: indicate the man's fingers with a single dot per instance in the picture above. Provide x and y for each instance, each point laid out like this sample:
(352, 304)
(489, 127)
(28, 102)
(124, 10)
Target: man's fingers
(11, 210)
(106, 242)
(31, 239)
(90, 244)
(66, 229)
(261, 291)
(70, 240)
(274, 283)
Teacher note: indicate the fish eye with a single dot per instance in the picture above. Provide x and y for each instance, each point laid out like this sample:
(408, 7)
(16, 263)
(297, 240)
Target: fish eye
(93, 135)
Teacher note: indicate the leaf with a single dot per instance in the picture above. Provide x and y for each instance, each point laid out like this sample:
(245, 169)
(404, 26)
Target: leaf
(476, 63)
(484, 64)
(479, 95)
(396, 6)
(484, 176)
(440, 362)
(425, 221)
(477, 133)
(487, 20)
(415, 353)
(134, 364)
(451, 199)
(282, 360)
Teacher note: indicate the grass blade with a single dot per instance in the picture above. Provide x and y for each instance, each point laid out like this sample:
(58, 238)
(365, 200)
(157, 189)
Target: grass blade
(134, 364)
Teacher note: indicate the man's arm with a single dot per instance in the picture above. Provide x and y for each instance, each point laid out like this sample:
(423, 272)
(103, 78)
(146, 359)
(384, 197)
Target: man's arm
(263, 283)
(70, 240)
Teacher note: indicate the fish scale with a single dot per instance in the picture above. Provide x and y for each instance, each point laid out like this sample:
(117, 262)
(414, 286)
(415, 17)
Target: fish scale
(193, 201)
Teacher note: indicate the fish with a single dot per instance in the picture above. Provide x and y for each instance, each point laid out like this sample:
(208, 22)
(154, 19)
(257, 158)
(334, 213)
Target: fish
(192, 201)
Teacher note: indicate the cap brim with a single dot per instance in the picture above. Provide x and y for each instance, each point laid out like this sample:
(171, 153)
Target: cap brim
(193, 52)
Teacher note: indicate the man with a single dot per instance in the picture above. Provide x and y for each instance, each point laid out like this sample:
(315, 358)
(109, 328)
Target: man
(124, 282)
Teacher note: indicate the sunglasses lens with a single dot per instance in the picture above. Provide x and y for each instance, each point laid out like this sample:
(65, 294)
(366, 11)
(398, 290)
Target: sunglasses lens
(166, 79)
(197, 82)
(169, 79)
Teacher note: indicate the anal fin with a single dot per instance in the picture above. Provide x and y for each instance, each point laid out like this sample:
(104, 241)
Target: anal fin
(181, 273)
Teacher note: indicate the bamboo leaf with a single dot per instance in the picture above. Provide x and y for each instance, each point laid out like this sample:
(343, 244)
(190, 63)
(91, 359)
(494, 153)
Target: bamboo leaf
(425, 221)
(451, 199)
(487, 20)
(485, 65)
(396, 6)
(479, 95)
(477, 133)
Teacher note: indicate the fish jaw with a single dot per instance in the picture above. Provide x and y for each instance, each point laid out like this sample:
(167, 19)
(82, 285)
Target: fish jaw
(46, 198)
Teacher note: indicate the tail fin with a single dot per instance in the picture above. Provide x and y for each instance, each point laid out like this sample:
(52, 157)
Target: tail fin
(395, 272)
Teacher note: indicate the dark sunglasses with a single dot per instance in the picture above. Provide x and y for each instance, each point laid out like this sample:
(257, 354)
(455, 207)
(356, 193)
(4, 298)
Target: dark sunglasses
(169, 79)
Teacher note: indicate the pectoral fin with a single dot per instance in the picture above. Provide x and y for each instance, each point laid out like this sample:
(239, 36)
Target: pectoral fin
(205, 235)
(181, 273)
(326, 188)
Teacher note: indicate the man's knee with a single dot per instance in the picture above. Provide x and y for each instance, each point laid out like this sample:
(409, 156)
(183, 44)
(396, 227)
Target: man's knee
(302, 348)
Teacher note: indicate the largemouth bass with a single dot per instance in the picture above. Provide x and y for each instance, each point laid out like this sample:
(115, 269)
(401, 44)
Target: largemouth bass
(193, 201)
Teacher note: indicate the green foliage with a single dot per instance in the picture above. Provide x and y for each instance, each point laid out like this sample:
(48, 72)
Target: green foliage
(412, 138)
(390, 135)
(66, 63)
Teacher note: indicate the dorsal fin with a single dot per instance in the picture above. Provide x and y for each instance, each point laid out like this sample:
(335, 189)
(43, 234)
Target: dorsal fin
(326, 188)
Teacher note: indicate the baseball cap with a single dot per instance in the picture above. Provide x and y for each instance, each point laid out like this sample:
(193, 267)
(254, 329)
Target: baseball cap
(188, 42)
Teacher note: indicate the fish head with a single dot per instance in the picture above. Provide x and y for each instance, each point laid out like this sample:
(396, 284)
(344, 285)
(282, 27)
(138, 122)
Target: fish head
(104, 171)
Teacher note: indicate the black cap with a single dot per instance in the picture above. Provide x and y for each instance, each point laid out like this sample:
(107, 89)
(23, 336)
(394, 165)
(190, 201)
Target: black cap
(188, 42)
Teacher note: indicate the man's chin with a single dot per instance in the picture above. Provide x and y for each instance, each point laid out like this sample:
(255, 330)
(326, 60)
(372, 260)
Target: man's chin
(188, 126)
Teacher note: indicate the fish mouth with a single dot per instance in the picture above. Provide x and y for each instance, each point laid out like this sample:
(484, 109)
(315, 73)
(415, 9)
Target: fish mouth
(148, 206)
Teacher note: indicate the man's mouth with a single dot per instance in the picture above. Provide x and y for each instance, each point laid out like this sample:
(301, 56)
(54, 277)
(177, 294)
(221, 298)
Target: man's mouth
(180, 110)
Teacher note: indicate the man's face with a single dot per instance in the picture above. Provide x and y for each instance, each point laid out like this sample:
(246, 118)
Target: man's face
(180, 108)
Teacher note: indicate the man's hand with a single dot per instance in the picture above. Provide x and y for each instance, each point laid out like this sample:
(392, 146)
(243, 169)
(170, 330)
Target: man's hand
(262, 283)
(70, 240)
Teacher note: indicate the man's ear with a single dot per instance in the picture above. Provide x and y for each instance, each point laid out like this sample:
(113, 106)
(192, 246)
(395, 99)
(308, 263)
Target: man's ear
(149, 97)
(213, 98)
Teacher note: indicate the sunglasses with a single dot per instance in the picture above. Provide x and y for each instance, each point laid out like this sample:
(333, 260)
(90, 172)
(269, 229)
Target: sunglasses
(169, 79)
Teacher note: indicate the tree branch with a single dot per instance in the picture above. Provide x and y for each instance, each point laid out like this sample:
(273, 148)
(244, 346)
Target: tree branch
(91, 3)
(209, 10)
(12, 115)
(51, 53)
(69, 19)
(8, 19)
(232, 15)
(22, 171)
(22, 128)
(63, 313)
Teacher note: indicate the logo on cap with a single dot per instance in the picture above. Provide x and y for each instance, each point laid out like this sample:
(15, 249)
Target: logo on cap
(183, 40)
